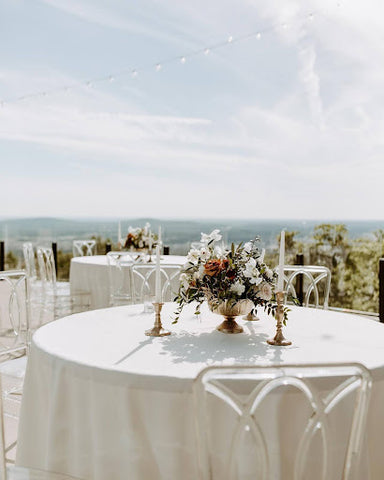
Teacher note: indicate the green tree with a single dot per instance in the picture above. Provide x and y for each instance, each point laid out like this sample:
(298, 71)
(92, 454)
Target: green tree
(361, 275)
(63, 264)
(101, 244)
(330, 247)
(11, 261)
(292, 246)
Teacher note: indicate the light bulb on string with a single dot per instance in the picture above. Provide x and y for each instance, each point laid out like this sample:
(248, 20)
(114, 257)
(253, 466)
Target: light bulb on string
(309, 17)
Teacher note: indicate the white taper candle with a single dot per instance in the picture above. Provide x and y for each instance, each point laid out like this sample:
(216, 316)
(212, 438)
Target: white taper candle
(280, 278)
(119, 233)
(158, 276)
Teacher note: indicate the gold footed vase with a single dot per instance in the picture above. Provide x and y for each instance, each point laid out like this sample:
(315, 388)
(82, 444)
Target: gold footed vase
(230, 310)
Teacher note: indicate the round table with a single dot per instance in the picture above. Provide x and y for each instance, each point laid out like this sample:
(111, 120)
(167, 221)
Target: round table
(90, 274)
(102, 400)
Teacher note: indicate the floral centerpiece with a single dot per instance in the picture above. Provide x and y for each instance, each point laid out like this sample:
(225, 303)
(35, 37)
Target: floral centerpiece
(233, 281)
(140, 238)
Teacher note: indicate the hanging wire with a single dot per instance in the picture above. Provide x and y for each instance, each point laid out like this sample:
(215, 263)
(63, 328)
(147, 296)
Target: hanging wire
(158, 66)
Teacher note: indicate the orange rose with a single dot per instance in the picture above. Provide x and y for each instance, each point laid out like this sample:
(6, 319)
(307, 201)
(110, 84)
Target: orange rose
(212, 267)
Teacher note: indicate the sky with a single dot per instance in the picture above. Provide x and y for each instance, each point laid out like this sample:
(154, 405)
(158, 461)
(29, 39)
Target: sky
(203, 109)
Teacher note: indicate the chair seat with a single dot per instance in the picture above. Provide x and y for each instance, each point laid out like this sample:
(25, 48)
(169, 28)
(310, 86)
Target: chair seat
(15, 367)
(21, 473)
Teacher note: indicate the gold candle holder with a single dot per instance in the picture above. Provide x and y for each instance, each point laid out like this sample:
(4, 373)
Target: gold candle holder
(279, 339)
(157, 330)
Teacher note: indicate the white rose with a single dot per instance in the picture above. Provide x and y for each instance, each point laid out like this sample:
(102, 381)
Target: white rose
(237, 288)
(265, 292)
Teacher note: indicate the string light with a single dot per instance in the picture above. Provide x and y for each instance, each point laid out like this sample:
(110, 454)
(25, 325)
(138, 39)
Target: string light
(158, 66)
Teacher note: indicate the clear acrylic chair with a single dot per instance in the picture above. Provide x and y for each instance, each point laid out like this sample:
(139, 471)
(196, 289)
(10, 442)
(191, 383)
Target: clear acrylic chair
(57, 297)
(82, 248)
(30, 261)
(276, 422)
(316, 281)
(35, 285)
(14, 340)
(143, 281)
(14, 313)
(120, 277)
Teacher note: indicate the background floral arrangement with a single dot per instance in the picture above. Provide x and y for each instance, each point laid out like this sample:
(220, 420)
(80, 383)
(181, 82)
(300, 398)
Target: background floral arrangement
(139, 238)
(219, 274)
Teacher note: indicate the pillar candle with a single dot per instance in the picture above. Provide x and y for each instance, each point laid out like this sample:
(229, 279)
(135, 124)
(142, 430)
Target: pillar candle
(280, 278)
(158, 276)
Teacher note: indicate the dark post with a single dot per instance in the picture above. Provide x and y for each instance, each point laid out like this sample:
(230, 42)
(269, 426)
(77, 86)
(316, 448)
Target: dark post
(299, 279)
(381, 290)
(2, 255)
(166, 250)
(108, 248)
(54, 251)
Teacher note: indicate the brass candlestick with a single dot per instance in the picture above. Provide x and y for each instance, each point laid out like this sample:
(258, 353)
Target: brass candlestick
(157, 330)
(279, 339)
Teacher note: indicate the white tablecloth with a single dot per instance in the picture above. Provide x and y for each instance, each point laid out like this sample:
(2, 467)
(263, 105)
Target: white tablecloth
(102, 400)
(90, 274)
